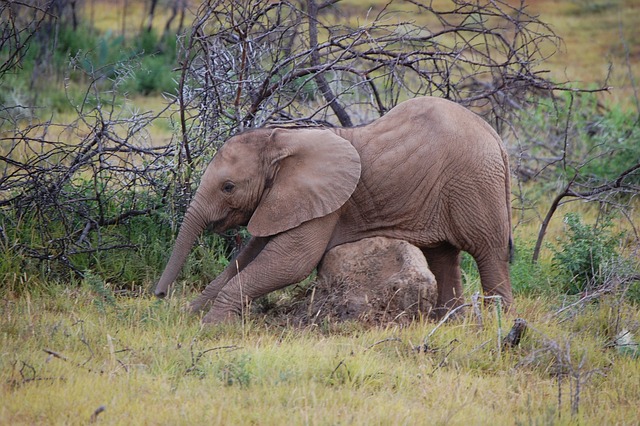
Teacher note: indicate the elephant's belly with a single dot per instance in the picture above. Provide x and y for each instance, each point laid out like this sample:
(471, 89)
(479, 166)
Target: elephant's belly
(399, 217)
(422, 238)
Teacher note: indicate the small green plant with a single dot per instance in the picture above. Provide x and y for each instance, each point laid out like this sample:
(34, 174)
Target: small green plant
(155, 75)
(610, 141)
(585, 254)
(105, 296)
(236, 372)
(528, 278)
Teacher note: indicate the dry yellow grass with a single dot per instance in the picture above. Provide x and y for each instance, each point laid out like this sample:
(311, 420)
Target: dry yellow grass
(64, 356)
(107, 16)
(600, 39)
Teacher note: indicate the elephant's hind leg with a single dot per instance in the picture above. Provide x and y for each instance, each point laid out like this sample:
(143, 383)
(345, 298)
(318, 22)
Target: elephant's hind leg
(494, 277)
(444, 262)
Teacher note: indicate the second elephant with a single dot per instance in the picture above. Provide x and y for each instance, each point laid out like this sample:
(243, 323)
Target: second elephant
(429, 172)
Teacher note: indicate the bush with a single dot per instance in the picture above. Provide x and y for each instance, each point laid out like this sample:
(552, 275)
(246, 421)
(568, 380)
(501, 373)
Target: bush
(125, 256)
(71, 42)
(154, 76)
(611, 139)
(527, 277)
(595, 147)
(586, 255)
(85, 51)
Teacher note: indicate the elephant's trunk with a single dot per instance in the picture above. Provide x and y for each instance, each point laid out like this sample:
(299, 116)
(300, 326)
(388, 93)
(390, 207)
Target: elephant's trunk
(193, 224)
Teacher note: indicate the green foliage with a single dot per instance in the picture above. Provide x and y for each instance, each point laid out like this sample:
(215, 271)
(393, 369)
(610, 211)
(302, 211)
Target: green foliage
(528, 278)
(598, 145)
(104, 294)
(71, 42)
(86, 52)
(585, 255)
(305, 87)
(594, 6)
(154, 76)
(633, 291)
(146, 42)
(236, 371)
(611, 141)
(45, 243)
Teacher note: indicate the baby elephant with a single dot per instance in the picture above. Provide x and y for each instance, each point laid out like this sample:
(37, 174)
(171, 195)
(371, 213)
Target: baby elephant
(429, 172)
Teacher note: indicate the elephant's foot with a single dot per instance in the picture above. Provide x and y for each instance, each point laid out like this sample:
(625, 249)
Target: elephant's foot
(220, 316)
(228, 306)
(199, 304)
(453, 312)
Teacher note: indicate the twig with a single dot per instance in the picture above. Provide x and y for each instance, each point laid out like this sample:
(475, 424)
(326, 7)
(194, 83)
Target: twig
(443, 361)
(195, 359)
(599, 292)
(65, 359)
(84, 341)
(390, 339)
(341, 364)
(56, 354)
(445, 319)
(33, 378)
(96, 413)
(476, 308)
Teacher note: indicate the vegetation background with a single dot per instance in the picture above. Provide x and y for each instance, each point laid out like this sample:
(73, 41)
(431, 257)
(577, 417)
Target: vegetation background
(108, 112)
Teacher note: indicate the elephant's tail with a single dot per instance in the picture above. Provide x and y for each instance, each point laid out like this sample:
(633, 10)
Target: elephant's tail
(505, 159)
(512, 249)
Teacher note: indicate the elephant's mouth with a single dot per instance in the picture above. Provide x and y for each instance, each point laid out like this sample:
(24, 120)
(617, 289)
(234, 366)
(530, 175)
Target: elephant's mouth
(232, 221)
(223, 228)
(218, 226)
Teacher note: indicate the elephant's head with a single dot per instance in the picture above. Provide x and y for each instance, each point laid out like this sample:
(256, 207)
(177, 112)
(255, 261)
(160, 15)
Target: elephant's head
(271, 180)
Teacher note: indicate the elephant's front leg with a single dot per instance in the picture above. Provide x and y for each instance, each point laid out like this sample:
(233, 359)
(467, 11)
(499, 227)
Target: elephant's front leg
(287, 258)
(246, 256)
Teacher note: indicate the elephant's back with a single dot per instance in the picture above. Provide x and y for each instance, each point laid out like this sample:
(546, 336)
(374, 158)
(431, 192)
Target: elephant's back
(425, 136)
(415, 160)
(427, 122)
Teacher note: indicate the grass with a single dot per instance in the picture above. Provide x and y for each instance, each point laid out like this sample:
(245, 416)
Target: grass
(148, 362)
(599, 38)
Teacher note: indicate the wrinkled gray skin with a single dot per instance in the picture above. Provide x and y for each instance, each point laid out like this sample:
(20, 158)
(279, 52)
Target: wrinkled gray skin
(429, 172)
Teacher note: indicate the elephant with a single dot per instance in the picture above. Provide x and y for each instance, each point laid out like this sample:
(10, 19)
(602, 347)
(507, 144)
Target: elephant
(429, 172)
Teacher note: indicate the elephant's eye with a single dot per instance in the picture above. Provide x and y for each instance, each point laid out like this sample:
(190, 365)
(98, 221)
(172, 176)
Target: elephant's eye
(228, 187)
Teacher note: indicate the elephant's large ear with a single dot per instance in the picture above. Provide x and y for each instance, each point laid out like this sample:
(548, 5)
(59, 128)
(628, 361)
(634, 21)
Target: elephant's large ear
(313, 172)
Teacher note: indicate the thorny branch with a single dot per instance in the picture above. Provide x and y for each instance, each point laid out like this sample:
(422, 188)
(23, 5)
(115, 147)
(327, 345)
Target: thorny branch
(289, 62)
(17, 29)
(73, 180)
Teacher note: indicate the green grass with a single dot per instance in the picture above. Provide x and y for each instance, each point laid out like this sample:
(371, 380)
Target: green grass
(147, 362)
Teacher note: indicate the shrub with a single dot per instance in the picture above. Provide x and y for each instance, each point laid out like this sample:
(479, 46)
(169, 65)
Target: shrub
(611, 139)
(527, 277)
(585, 255)
(572, 138)
(155, 76)
(70, 42)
